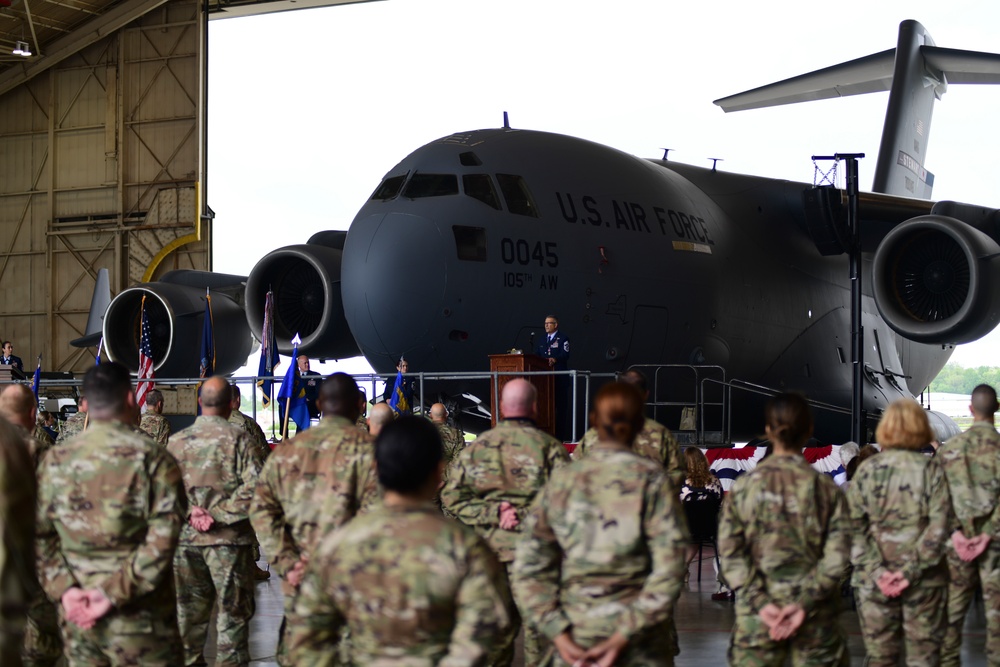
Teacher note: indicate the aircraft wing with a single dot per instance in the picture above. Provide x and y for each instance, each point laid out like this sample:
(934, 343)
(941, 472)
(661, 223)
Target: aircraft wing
(870, 74)
(964, 66)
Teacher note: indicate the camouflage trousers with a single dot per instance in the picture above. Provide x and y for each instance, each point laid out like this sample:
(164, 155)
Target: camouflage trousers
(915, 621)
(43, 644)
(819, 642)
(129, 637)
(204, 575)
(963, 579)
(536, 644)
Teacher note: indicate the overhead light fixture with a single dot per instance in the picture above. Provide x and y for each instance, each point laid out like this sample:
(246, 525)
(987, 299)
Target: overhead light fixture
(21, 49)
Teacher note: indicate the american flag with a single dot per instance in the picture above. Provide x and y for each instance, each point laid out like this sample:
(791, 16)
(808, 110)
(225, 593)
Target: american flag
(145, 376)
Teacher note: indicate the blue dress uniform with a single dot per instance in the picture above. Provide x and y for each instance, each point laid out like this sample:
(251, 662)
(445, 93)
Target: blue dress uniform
(556, 347)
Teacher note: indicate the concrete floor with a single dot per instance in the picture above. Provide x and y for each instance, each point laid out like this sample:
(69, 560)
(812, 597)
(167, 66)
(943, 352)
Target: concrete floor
(703, 625)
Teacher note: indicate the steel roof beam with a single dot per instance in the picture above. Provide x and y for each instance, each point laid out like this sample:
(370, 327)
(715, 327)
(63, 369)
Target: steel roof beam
(68, 45)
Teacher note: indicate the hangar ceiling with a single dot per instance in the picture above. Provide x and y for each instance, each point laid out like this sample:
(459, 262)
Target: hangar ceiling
(102, 164)
(55, 29)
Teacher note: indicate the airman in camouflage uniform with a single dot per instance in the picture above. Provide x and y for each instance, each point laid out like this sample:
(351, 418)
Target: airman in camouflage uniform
(452, 438)
(784, 544)
(433, 590)
(42, 640)
(655, 442)
(75, 424)
(971, 464)
(41, 437)
(499, 475)
(900, 506)
(362, 420)
(18, 582)
(249, 424)
(220, 467)
(603, 557)
(311, 485)
(152, 422)
(111, 505)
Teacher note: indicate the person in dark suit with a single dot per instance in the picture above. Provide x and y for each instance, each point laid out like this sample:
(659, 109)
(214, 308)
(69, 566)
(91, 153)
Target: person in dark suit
(8, 357)
(555, 346)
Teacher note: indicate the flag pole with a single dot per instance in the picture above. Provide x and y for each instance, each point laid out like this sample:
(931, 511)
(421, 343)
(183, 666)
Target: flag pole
(288, 399)
(284, 424)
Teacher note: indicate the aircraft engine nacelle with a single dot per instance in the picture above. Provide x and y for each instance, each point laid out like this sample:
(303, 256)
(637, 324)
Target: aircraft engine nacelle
(305, 280)
(175, 308)
(937, 280)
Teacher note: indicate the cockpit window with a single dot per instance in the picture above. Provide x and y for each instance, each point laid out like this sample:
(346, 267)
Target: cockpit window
(515, 192)
(431, 185)
(480, 186)
(389, 188)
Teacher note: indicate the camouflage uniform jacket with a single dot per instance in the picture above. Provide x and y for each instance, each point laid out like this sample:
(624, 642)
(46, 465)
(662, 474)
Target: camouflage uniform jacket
(971, 464)
(42, 437)
(785, 534)
(17, 546)
(604, 549)
(454, 442)
(900, 511)
(110, 508)
(433, 593)
(250, 425)
(36, 444)
(311, 485)
(508, 463)
(654, 442)
(362, 423)
(72, 426)
(156, 427)
(220, 467)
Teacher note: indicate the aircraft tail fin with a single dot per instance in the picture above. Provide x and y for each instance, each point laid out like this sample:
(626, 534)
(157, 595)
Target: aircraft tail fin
(99, 303)
(915, 73)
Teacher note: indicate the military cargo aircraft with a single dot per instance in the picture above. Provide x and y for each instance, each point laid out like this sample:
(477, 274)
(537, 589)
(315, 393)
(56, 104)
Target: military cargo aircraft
(470, 241)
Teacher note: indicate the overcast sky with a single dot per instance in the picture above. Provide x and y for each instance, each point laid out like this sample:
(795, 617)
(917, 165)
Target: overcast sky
(309, 109)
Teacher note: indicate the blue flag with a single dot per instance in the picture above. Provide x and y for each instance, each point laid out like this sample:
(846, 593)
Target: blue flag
(38, 378)
(268, 350)
(292, 394)
(208, 340)
(401, 400)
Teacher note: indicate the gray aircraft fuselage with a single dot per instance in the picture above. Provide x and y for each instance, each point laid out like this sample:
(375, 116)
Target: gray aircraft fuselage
(643, 262)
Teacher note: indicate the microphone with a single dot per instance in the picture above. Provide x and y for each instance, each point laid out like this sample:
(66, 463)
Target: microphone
(531, 342)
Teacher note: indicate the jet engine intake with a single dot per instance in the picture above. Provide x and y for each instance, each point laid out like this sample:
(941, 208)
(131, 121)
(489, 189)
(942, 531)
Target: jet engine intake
(176, 313)
(937, 280)
(305, 280)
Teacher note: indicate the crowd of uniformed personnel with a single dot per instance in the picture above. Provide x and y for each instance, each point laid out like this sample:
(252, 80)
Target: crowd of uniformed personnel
(415, 549)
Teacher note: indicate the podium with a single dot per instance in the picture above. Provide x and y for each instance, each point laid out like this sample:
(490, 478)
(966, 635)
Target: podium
(520, 363)
(10, 373)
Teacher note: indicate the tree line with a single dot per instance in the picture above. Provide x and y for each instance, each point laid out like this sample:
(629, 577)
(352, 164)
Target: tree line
(954, 379)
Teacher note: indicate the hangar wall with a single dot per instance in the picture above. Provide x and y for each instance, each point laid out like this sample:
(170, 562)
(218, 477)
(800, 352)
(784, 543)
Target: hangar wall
(101, 165)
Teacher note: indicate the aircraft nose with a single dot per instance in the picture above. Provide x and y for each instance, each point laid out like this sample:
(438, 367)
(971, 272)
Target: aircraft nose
(395, 271)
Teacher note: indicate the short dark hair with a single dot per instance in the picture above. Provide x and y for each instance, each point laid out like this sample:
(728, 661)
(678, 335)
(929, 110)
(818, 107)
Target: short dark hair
(106, 387)
(338, 395)
(154, 396)
(984, 400)
(407, 451)
(636, 378)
